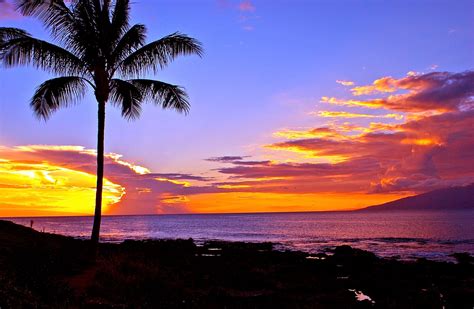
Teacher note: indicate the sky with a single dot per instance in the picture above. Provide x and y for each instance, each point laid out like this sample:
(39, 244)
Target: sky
(296, 106)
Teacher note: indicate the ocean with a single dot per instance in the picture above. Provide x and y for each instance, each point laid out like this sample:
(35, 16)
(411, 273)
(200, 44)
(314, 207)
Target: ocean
(433, 235)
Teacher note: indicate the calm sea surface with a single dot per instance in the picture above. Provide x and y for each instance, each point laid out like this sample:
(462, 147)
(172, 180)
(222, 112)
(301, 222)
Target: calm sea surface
(433, 235)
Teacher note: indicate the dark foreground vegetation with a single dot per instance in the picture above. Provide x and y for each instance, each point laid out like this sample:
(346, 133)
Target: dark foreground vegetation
(39, 270)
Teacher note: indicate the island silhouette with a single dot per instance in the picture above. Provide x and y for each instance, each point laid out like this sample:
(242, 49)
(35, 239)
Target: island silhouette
(454, 198)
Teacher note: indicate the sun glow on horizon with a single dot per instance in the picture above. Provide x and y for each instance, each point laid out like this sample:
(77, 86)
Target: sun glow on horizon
(249, 202)
(47, 189)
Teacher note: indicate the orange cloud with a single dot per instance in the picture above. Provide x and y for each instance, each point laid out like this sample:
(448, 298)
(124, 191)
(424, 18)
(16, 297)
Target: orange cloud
(323, 132)
(332, 114)
(376, 103)
(422, 154)
(432, 149)
(48, 189)
(385, 84)
(434, 91)
(176, 182)
(64, 178)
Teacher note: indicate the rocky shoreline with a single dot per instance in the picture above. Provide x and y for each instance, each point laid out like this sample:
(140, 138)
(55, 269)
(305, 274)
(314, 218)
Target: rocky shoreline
(41, 270)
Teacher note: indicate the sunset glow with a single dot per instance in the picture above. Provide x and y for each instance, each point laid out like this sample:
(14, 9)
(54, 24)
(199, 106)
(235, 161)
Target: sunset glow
(236, 153)
(343, 125)
(43, 189)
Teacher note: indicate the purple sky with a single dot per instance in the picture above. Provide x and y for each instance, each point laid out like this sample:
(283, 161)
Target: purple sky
(266, 69)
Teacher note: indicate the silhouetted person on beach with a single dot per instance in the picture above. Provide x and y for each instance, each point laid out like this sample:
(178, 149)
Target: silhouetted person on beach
(31, 223)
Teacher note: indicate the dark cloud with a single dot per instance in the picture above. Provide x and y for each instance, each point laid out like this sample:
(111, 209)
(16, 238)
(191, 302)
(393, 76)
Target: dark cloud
(435, 91)
(226, 159)
(177, 176)
(420, 155)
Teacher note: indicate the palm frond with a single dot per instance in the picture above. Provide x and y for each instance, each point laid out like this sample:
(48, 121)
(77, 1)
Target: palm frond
(163, 94)
(57, 93)
(85, 40)
(159, 54)
(126, 96)
(105, 30)
(129, 42)
(7, 34)
(41, 54)
(55, 15)
(120, 20)
(98, 42)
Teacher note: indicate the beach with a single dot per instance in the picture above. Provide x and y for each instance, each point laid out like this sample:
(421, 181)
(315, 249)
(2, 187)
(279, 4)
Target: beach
(45, 270)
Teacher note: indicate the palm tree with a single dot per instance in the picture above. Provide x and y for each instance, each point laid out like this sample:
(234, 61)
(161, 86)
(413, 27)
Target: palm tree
(96, 47)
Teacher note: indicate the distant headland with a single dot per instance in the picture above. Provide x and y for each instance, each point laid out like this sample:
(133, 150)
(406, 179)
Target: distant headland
(454, 198)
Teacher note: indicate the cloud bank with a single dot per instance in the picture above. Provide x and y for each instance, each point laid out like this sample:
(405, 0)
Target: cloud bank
(431, 149)
(132, 189)
(392, 138)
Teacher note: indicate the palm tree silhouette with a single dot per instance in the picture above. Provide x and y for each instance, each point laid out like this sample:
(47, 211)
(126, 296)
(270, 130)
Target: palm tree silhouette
(96, 47)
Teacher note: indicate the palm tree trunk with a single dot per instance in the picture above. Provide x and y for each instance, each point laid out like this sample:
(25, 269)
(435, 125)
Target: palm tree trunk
(100, 174)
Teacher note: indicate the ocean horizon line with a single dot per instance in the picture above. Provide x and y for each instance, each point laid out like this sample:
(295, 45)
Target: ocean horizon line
(234, 213)
(188, 214)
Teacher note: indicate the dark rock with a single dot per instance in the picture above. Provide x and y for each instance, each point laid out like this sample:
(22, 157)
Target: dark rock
(40, 270)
